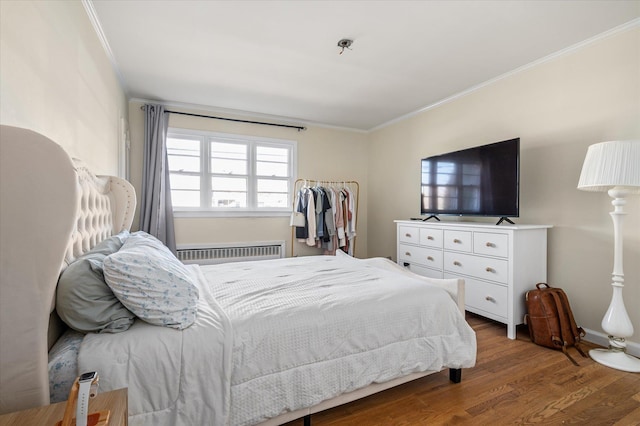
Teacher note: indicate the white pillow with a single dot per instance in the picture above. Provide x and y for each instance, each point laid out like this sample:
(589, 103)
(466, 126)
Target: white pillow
(151, 282)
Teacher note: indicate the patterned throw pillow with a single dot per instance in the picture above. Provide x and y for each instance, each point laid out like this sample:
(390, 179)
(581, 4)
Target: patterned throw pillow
(152, 283)
(63, 365)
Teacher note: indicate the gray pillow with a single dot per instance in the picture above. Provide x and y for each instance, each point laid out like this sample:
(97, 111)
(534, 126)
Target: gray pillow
(84, 301)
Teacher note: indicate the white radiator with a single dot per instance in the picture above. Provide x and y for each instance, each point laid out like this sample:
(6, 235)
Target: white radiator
(209, 254)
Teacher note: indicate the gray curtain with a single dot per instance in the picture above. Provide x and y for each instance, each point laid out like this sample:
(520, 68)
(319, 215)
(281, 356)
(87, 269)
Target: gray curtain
(156, 211)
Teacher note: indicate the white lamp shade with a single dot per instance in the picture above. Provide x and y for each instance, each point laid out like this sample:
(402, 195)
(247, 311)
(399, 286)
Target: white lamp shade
(611, 164)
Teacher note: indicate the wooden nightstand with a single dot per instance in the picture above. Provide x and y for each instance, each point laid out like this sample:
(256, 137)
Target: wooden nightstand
(116, 401)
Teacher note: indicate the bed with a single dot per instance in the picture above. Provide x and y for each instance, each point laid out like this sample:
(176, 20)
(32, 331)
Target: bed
(271, 341)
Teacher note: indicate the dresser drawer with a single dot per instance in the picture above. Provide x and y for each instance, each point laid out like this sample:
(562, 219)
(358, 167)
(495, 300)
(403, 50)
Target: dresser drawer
(431, 258)
(487, 297)
(409, 234)
(485, 268)
(457, 240)
(491, 244)
(431, 237)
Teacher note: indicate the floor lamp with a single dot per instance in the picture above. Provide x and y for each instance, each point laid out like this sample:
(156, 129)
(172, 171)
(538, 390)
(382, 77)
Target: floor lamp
(614, 167)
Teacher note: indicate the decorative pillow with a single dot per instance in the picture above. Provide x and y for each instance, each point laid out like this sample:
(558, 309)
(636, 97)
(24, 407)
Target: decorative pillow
(84, 301)
(152, 283)
(63, 365)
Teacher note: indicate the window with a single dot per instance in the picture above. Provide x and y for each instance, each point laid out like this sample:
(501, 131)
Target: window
(229, 175)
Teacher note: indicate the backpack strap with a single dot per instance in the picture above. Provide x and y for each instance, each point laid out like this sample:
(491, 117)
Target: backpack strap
(570, 333)
(578, 332)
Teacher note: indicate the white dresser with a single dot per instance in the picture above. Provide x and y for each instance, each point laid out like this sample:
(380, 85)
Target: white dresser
(499, 264)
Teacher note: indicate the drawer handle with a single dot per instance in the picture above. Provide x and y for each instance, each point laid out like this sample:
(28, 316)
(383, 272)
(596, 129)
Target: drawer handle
(457, 241)
(407, 235)
(456, 263)
(430, 238)
(489, 299)
(406, 253)
(430, 258)
(490, 244)
(490, 269)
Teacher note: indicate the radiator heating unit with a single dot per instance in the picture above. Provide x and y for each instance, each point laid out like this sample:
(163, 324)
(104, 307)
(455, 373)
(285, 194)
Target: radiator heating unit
(210, 254)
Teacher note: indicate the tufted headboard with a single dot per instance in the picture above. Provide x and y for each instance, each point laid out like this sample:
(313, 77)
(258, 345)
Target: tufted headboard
(52, 210)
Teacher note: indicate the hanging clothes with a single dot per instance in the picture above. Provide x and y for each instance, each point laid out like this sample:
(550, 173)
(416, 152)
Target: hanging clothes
(351, 219)
(325, 216)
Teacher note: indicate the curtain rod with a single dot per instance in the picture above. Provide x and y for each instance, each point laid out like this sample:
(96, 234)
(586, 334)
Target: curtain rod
(299, 128)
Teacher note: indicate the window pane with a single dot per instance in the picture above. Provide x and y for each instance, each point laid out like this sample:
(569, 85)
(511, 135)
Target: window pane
(179, 181)
(228, 167)
(270, 185)
(270, 199)
(228, 199)
(268, 153)
(185, 198)
(181, 163)
(183, 154)
(228, 158)
(228, 184)
(272, 169)
(273, 193)
(272, 161)
(236, 151)
(228, 192)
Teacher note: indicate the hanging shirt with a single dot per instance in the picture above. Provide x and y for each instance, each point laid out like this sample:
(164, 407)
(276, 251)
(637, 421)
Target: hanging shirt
(311, 219)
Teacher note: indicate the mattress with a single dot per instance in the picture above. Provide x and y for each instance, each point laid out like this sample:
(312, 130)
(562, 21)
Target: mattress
(280, 335)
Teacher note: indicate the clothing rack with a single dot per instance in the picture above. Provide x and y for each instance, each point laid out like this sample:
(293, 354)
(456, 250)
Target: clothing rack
(301, 183)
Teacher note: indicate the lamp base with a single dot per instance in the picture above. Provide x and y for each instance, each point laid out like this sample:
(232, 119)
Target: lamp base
(616, 359)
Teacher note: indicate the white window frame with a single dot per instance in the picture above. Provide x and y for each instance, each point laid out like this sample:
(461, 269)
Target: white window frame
(252, 210)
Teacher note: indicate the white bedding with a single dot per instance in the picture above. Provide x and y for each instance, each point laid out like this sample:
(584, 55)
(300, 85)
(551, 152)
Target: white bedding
(276, 336)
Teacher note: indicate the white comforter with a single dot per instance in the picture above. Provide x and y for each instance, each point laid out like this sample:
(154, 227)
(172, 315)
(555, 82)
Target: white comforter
(276, 336)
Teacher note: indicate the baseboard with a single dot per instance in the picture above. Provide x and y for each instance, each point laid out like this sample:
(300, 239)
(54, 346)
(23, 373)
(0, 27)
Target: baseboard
(601, 339)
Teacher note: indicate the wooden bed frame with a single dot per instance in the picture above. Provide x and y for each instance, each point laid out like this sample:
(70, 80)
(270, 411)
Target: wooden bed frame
(53, 210)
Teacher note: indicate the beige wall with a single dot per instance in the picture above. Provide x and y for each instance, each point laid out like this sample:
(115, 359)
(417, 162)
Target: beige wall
(56, 79)
(323, 153)
(558, 109)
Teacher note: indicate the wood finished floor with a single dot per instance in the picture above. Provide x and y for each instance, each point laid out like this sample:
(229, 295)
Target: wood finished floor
(514, 382)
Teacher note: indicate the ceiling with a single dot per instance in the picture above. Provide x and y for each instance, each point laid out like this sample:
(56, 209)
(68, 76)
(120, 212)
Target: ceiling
(281, 59)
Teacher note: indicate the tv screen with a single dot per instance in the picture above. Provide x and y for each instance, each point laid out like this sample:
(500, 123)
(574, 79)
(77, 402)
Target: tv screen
(479, 181)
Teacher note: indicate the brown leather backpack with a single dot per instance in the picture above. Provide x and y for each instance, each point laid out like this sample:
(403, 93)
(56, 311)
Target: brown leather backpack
(550, 320)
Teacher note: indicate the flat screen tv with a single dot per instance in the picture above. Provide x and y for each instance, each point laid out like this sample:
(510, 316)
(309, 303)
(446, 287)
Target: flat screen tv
(479, 181)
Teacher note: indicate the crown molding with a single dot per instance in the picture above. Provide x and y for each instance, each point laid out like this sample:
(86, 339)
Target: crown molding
(93, 17)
